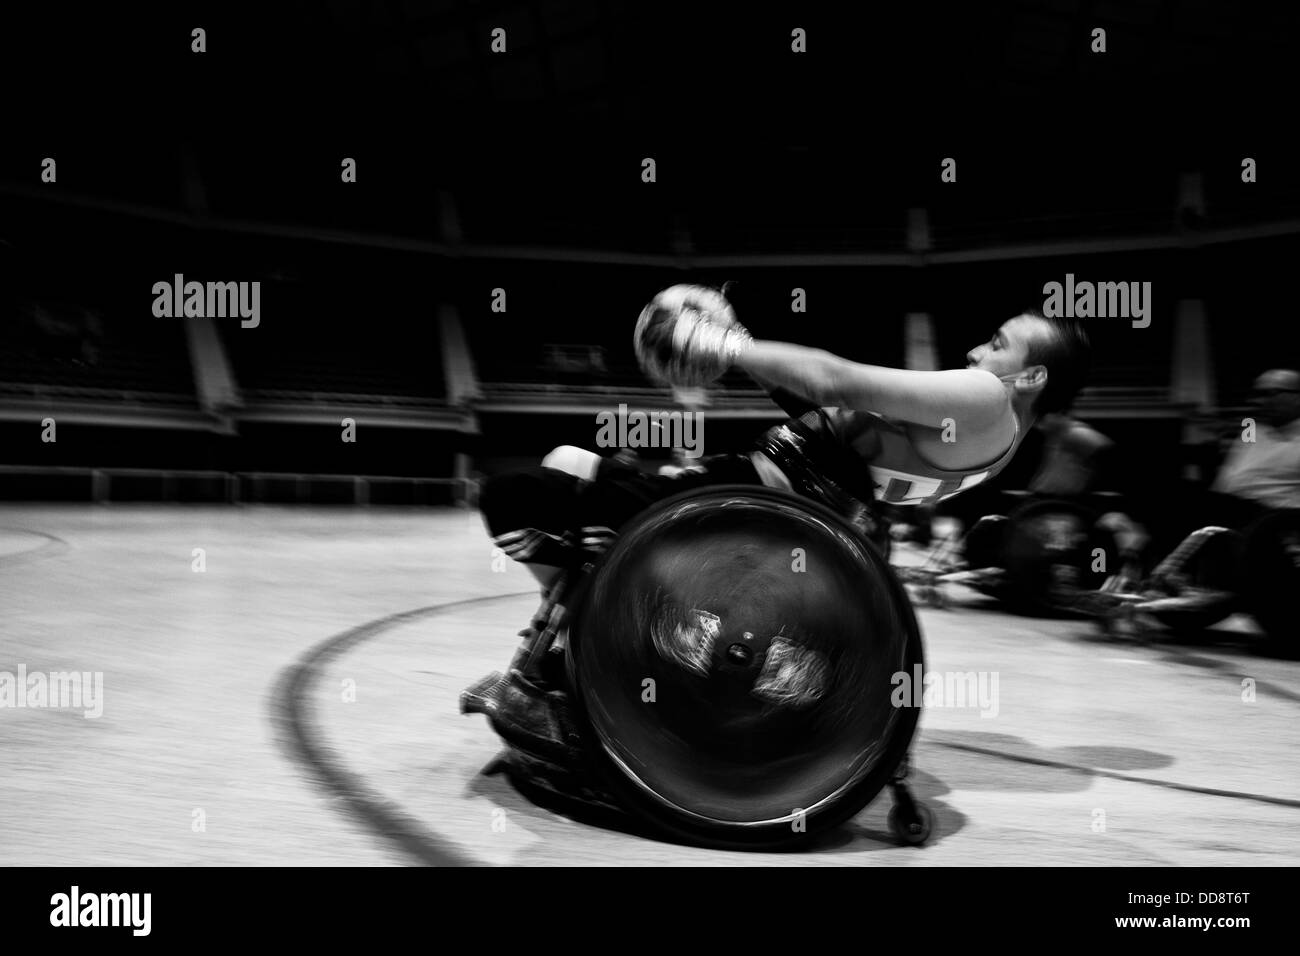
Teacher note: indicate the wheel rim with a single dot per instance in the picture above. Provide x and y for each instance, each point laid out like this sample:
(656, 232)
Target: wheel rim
(772, 686)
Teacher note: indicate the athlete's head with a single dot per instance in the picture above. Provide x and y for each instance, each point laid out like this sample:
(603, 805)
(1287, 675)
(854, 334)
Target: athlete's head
(1277, 396)
(1041, 357)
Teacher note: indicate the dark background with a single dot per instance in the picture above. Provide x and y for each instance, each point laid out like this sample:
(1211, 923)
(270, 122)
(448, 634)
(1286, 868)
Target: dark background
(522, 171)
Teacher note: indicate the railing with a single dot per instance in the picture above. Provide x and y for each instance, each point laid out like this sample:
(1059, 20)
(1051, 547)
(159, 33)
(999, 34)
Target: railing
(63, 483)
(1136, 398)
(43, 391)
(325, 397)
(525, 389)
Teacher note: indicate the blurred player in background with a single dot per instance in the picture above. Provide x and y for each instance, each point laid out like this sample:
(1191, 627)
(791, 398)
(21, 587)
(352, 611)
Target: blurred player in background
(1074, 457)
(1259, 476)
(1264, 473)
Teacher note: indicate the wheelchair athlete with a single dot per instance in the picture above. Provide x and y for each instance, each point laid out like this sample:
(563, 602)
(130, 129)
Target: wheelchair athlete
(1067, 488)
(864, 434)
(1205, 577)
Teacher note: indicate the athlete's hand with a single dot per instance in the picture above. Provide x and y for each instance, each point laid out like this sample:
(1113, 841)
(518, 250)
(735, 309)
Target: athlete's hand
(688, 336)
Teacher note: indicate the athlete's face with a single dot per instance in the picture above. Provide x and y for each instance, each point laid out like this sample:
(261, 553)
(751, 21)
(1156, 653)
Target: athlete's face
(1007, 353)
(1277, 396)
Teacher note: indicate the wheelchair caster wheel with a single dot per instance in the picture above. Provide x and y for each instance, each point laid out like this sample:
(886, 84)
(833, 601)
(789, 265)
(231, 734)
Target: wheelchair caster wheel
(911, 826)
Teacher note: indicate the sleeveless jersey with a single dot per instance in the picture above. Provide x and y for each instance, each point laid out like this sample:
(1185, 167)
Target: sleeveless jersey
(880, 454)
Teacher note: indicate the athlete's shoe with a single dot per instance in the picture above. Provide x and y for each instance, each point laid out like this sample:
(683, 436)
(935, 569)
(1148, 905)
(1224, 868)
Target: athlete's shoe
(529, 717)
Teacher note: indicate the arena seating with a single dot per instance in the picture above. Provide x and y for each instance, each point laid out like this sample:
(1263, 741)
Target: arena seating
(292, 360)
(337, 323)
(73, 350)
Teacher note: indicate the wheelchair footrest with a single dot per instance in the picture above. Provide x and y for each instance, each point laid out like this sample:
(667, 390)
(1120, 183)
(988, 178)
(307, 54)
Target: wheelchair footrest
(533, 719)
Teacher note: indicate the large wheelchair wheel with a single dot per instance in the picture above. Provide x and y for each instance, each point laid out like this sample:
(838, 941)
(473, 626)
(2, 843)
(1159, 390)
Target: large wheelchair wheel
(1050, 553)
(1272, 576)
(734, 658)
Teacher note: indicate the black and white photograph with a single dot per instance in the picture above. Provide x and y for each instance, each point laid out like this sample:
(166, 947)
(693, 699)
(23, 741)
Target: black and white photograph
(610, 435)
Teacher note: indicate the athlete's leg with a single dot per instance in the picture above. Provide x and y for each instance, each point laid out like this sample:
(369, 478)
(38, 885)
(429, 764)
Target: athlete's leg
(529, 513)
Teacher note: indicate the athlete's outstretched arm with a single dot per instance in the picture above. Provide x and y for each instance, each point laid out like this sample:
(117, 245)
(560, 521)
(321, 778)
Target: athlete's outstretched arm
(971, 397)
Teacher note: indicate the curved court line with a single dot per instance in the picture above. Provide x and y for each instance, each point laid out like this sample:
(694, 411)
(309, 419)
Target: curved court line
(305, 741)
(51, 546)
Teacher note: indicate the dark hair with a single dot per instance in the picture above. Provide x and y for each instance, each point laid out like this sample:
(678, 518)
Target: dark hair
(1066, 353)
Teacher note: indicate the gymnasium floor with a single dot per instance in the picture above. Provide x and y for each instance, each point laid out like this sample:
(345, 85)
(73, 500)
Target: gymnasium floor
(295, 703)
